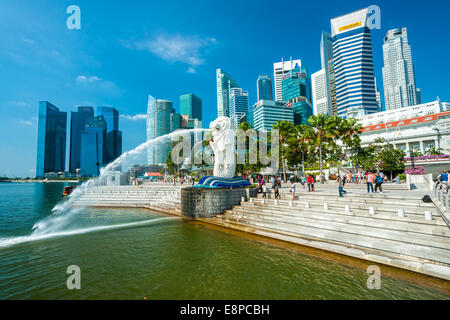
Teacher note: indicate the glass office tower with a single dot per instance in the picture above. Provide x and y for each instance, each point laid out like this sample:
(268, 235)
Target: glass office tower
(51, 144)
(93, 140)
(353, 65)
(191, 105)
(151, 107)
(264, 88)
(296, 88)
(78, 121)
(224, 83)
(162, 126)
(111, 116)
(113, 145)
(238, 105)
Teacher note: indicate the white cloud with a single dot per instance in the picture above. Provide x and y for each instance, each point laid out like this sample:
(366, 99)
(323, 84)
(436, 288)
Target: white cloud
(87, 79)
(26, 122)
(176, 48)
(136, 117)
(18, 103)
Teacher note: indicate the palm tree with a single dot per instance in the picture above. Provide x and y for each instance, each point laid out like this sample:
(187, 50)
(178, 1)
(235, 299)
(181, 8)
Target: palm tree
(350, 134)
(433, 151)
(285, 129)
(321, 125)
(299, 142)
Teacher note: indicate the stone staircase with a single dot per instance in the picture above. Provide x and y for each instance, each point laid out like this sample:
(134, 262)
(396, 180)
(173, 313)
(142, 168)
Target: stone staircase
(162, 199)
(390, 229)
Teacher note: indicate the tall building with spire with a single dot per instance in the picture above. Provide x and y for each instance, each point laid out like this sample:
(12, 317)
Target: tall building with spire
(398, 71)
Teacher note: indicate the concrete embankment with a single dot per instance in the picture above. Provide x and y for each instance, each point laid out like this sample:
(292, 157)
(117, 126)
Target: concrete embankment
(396, 229)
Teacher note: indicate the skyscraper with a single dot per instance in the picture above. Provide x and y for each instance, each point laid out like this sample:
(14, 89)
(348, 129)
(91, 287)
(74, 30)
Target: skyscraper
(93, 140)
(296, 87)
(238, 105)
(163, 110)
(398, 71)
(264, 88)
(265, 113)
(191, 105)
(51, 143)
(150, 128)
(77, 124)
(319, 88)
(224, 83)
(111, 116)
(320, 81)
(353, 65)
(279, 70)
(113, 142)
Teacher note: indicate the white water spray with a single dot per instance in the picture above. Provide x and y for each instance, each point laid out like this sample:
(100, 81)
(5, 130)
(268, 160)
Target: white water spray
(65, 213)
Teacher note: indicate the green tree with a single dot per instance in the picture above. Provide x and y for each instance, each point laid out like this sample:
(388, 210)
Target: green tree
(391, 159)
(433, 151)
(321, 125)
(285, 129)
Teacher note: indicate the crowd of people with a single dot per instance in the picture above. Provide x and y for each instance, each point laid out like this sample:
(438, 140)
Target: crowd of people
(369, 178)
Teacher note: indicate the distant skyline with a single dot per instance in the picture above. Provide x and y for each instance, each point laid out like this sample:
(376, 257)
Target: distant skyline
(126, 51)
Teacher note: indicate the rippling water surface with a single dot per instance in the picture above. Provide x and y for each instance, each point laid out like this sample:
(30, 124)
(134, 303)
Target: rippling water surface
(134, 253)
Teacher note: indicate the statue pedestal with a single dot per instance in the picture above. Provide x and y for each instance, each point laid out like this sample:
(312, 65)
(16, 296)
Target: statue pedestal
(206, 202)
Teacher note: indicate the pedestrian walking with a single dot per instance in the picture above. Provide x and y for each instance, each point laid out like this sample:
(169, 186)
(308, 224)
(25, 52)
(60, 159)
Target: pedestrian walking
(378, 183)
(341, 186)
(292, 190)
(369, 181)
(264, 191)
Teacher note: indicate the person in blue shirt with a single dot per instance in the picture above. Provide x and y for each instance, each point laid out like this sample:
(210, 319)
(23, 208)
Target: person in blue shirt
(378, 182)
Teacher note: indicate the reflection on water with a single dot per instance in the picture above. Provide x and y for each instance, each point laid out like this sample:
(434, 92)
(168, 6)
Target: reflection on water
(146, 256)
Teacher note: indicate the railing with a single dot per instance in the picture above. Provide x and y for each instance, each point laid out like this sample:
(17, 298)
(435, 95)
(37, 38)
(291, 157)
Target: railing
(441, 197)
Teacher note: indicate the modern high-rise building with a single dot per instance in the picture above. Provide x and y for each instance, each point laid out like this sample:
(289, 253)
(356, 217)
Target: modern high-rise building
(93, 141)
(224, 83)
(238, 105)
(353, 64)
(332, 88)
(398, 71)
(267, 112)
(321, 79)
(150, 129)
(113, 142)
(379, 104)
(296, 87)
(111, 116)
(78, 121)
(163, 110)
(279, 70)
(51, 143)
(191, 105)
(319, 90)
(264, 88)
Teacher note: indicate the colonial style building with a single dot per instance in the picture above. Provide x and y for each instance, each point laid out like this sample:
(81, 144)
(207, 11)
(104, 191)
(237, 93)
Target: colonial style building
(418, 127)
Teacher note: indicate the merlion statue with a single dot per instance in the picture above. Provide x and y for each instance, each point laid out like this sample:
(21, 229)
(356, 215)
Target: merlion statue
(223, 145)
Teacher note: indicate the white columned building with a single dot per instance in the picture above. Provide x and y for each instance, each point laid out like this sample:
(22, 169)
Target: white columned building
(418, 127)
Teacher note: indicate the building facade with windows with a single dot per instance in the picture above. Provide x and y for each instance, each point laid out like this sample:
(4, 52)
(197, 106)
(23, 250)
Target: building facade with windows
(238, 105)
(398, 72)
(224, 83)
(297, 93)
(51, 144)
(78, 121)
(279, 70)
(353, 65)
(418, 127)
(319, 89)
(264, 88)
(191, 105)
(93, 141)
(267, 112)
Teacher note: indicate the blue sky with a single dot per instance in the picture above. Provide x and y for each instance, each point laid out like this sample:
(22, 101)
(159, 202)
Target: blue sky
(126, 50)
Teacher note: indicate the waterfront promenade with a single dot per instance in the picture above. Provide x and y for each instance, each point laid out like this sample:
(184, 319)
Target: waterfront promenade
(395, 228)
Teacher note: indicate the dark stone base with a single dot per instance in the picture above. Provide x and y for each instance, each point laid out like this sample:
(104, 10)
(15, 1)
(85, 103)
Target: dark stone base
(204, 203)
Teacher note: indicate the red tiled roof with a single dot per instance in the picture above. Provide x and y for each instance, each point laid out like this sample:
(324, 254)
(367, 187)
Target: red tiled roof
(405, 122)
